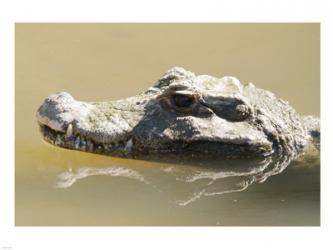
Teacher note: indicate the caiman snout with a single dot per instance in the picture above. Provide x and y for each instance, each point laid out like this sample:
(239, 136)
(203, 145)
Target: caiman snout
(59, 110)
(92, 127)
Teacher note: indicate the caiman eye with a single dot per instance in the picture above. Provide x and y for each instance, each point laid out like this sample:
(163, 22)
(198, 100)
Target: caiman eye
(179, 99)
(182, 101)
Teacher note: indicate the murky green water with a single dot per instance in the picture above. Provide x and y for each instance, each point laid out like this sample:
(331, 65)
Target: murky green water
(97, 62)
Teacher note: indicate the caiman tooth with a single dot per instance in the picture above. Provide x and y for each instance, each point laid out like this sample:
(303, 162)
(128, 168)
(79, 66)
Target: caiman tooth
(69, 131)
(129, 145)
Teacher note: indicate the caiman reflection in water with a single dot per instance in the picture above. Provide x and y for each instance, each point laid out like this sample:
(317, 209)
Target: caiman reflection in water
(213, 177)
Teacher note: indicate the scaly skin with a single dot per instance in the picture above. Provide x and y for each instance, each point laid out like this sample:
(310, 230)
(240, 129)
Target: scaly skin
(182, 113)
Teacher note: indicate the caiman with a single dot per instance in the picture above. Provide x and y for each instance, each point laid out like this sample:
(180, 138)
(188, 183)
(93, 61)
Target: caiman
(182, 113)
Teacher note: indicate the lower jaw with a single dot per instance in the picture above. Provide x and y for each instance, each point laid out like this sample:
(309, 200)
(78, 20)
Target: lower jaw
(217, 150)
(229, 150)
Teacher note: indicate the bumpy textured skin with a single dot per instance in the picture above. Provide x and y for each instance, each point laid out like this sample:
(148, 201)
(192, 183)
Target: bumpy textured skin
(213, 117)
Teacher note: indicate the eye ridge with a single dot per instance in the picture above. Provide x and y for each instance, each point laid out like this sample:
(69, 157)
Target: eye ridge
(183, 101)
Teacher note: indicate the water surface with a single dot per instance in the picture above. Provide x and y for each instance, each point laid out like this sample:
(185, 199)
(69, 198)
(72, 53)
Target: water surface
(96, 62)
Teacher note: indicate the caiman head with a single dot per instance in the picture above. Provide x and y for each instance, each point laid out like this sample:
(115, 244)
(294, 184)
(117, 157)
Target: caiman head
(181, 113)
